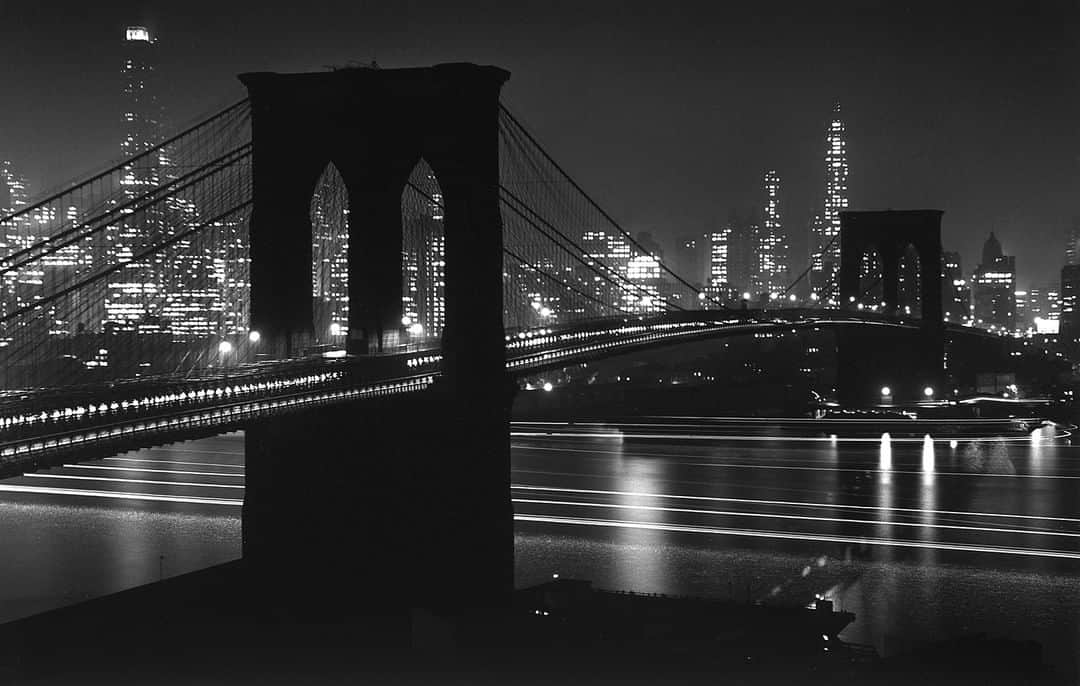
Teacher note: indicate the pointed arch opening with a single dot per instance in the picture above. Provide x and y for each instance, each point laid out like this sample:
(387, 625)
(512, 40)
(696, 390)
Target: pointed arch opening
(871, 289)
(330, 259)
(909, 283)
(423, 258)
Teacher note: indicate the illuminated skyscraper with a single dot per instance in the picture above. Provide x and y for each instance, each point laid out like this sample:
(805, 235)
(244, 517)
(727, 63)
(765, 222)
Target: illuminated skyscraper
(142, 110)
(613, 251)
(732, 259)
(1044, 307)
(772, 257)
(13, 195)
(133, 296)
(1070, 304)
(993, 289)
(330, 257)
(955, 291)
(423, 299)
(1072, 243)
(825, 241)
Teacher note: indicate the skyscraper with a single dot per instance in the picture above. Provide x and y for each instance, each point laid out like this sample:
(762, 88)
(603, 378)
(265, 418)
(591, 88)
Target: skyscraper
(691, 259)
(1044, 307)
(133, 294)
(13, 195)
(825, 259)
(1070, 304)
(773, 266)
(142, 110)
(732, 259)
(1072, 243)
(993, 288)
(955, 292)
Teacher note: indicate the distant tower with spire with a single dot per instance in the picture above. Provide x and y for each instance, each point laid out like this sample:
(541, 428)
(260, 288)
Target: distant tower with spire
(826, 241)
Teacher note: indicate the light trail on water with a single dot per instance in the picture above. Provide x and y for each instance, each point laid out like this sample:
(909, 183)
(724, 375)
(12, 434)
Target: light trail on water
(155, 471)
(36, 475)
(799, 536)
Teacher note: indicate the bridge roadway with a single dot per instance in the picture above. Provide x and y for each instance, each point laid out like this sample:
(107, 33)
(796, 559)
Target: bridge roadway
(43, 427)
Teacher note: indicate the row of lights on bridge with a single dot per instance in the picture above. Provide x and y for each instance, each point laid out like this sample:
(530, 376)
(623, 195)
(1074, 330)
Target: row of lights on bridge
(886, 392)
(772, 296)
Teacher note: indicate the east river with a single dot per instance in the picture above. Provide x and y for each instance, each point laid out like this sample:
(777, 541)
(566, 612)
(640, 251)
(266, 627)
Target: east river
(922, 537)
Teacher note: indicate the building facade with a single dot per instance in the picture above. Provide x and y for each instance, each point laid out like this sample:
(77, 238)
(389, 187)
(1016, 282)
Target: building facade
(773, 265)
(955, 292)
(825, 238)
(993, 289)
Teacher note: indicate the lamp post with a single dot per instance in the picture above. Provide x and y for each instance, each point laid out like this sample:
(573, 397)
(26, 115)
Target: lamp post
(224, 348)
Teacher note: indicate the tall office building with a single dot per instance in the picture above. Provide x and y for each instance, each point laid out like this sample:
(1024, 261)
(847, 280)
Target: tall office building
(1070, 304)
(1072, 243)
(773, 251)
(993, 289)
(13, 197)
(691, 260)
(614, 252)
(717, 285)
(424, 260)
(825, 259)
(733, 259)
(955, 291)
(13, 192)
(1044, 307)
(134, 294)
(330, 257)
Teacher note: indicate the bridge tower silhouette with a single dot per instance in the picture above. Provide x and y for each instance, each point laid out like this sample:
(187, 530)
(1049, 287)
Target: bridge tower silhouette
(869, 359)
(413, 493)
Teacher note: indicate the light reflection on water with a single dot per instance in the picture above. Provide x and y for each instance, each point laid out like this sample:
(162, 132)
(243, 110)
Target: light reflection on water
(639, 564)
(56, 553)
(899, 595)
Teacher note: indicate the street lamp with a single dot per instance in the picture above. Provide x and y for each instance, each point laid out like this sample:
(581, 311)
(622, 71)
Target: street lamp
(224, 348)
(253, 336)
(928, 392)
(886, 391)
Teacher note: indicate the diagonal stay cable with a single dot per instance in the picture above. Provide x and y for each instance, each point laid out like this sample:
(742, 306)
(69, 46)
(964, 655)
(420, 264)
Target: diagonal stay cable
(540, 229)
(809, 267)
(638, 287)
(566, 285)
(135, 205)
(123, 163)
(594, 204)
(37, 304)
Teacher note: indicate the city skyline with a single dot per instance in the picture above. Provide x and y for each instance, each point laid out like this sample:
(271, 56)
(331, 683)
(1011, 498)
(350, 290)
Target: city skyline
(576, 394)
(920, 157)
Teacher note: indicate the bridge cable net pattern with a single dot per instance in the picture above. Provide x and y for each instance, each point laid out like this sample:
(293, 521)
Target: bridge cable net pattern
(140, 270)
(567, 260)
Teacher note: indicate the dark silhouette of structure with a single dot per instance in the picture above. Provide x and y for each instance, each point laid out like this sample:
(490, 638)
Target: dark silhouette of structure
(394, 504)
(870, 359)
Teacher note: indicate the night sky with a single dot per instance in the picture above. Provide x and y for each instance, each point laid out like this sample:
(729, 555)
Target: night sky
(667, 112)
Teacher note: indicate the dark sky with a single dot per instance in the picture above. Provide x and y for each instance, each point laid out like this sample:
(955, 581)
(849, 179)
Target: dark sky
(667, 112)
